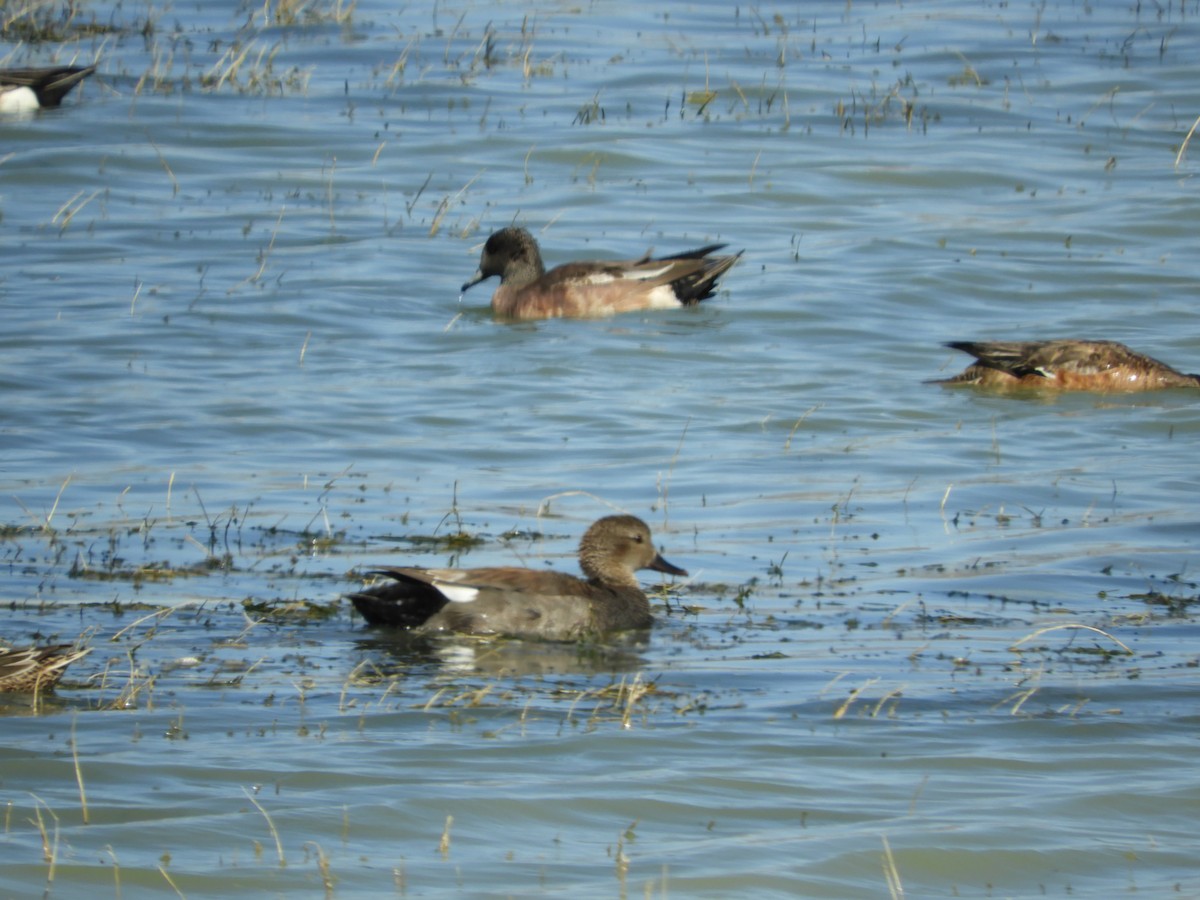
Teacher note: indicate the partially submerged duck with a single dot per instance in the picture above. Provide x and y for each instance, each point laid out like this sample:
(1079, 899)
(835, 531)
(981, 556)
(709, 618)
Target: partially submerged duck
(1065, 365)
(24, 90)
(35, 669)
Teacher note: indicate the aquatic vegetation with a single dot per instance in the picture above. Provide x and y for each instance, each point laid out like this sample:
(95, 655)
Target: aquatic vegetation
(37, 21)
(292, 13)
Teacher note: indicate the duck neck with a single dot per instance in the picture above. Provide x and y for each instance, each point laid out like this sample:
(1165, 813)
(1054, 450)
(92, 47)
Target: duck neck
(606, 576)
(520, 272)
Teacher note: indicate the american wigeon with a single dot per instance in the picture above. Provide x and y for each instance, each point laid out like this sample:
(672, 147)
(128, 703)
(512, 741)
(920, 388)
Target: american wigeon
(24, 90)
(527, 603)
(35, 669)
(1065, 365)
(593, 288)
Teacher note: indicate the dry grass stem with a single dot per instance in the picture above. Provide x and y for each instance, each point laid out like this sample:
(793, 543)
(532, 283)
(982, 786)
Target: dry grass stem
(116, 871)
(68, 212)
(45, 521)
(665, 486)
(1021, 697)
(78, 772)
(166, 168)
(172, 883)
(629, 695)
(787, 445)
(270, 825)
(230, 70)
(1187, 140)
(529, 153)
(134, 686)
(411, 205)
(912, 804)
(842, 709)
(890, 873)
(544, 505)
(432, 701)
(1106, 97)
(1072, 626)
(448, 201)
(49, 847)
(265, 254)
(157, 614)
(892, 694)
(327, 879)
(329, 194)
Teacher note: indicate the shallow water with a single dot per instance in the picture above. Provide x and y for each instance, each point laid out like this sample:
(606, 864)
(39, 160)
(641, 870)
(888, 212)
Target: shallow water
(930, 630)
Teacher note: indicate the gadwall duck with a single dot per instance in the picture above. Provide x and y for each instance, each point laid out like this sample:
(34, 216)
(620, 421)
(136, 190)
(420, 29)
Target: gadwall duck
(593, 288)
(23, 90)
(34, 669)
(1065, 365)
(527, 603)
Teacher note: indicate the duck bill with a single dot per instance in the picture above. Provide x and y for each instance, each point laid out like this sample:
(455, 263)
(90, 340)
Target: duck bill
(661, 565)
(475, 279)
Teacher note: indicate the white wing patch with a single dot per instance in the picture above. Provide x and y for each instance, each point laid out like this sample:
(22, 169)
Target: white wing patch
(457, 593)
(642, 274)
(638, 274)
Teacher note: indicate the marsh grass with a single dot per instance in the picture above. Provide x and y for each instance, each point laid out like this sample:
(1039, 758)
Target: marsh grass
(367, 674)
(454, 695)
(620, 701)
(293, 13)
(136, 689)
(448, 202)
(67, 212)
(265, 254)
(1075, 628)
(249, 68)
(623, 701)
(324, 870)
(590, 112)
(247, 64)
(44, 522)
(48, 21)
(1176, 605)
(879, 106)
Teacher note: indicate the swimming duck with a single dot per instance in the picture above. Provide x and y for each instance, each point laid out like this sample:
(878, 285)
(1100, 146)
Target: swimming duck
(527, 603)
(593, 288)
